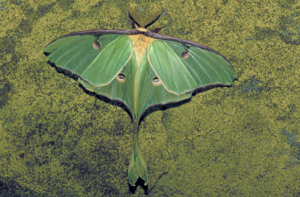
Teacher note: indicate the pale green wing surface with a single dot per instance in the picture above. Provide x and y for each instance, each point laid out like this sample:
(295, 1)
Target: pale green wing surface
(170, 69)
(97, 66)
(199, 68)
(138, 90)
(150, 89)
(117, 89)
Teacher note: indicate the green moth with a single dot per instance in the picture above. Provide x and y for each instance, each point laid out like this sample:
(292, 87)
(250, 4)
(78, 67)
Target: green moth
(139, 68)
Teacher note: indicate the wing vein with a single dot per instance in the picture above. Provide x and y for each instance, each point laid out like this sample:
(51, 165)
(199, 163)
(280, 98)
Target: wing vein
(78, 52)
(65, 52)
(200, 65)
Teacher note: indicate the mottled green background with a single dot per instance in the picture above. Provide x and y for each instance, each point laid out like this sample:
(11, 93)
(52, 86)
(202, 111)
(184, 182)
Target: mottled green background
(56, 140)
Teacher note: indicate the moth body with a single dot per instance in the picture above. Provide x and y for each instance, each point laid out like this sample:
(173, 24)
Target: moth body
(140, 44)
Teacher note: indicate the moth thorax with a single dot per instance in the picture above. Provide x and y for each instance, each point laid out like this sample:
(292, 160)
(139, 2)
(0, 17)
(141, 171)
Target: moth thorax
(140, 44)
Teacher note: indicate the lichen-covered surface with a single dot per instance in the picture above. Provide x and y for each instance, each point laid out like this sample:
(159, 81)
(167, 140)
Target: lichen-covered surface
(56, 140)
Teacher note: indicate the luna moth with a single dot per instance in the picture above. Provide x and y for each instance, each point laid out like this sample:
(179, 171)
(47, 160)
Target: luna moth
(139, 68)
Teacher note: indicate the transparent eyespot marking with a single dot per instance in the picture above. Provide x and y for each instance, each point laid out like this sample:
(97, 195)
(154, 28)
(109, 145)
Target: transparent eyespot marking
(121, 78)
(96, 45)
(156, 81)
(185, 55)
